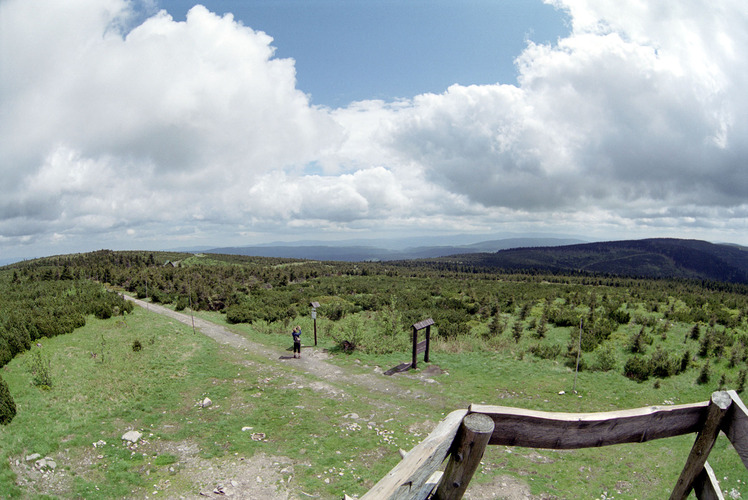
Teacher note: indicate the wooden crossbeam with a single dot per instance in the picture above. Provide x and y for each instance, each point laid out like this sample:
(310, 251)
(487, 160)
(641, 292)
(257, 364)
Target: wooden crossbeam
(541, 429)
(423, 324)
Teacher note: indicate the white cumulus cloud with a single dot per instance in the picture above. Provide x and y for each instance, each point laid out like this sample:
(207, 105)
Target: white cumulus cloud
(124, 130)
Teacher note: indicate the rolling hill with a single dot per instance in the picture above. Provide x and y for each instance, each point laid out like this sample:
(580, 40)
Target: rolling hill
(384, 250)
(648, 258)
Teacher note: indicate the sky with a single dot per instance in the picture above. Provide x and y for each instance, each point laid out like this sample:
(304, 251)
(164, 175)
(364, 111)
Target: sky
(158, 124)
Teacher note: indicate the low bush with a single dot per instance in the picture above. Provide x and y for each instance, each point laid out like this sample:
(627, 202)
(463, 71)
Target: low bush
(637, 368)
(7, 405)
(545, 351)
(41, 370)
(605, 358)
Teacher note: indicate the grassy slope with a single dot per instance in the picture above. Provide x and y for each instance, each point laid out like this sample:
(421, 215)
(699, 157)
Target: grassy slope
(157, 390)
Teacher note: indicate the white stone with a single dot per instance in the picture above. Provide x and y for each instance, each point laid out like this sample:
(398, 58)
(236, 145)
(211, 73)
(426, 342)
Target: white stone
(35, 456)
(206, 402)
(132, 436)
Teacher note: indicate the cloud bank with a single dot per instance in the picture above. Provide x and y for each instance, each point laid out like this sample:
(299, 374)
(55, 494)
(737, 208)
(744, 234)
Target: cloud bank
(126, 134)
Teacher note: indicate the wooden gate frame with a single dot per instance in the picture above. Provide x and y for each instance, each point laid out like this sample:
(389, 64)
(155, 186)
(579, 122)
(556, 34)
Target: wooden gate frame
(426, 323)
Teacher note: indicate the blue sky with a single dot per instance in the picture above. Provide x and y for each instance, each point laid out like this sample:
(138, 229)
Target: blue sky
(150, 124)
(359, 49)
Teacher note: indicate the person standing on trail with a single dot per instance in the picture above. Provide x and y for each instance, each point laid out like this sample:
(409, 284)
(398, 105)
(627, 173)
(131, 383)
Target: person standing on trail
(296, 334)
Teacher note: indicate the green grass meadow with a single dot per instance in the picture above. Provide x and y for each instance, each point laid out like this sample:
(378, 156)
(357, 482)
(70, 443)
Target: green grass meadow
(102, 387)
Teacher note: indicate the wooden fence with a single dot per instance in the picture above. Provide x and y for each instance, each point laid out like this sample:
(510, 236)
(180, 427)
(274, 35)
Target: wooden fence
(463, 435)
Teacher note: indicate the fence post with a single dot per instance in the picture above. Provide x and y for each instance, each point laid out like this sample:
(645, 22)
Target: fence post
(415, 346)
(706, 486)
(475, 431)
(428, 341)
(718, 406)
(735, 427)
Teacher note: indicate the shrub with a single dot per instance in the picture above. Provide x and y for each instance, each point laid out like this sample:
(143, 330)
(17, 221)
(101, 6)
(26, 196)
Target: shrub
(637, 368)
(605, 358)
(685, 361)
(239, 314)
(740, 383)
(7, 405)
(561, 318)
(619, 316)
(136, 345)
(705, 343)
(544, 351)
(41, 370)
(695, 332)
(517, 330)
(351, 337)
(705, 374)
(639, 342)
(661, 365)
(103, 311)
(181, 304)
(570, 358)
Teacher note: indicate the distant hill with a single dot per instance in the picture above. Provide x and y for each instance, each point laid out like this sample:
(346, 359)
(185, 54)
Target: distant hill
(649, 258)
(363, 252)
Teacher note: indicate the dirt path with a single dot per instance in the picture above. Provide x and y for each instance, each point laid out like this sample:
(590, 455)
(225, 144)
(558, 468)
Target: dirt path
(311, 362)
(335, 380)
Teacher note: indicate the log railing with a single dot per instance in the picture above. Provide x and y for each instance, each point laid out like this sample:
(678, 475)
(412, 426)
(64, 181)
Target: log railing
(463, 435)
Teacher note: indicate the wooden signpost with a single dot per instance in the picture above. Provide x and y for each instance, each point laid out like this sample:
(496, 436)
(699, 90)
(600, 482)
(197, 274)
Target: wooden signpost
(418, 347)
(426, 323)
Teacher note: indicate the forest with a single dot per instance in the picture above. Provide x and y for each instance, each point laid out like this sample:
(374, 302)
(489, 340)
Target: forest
(641, 328)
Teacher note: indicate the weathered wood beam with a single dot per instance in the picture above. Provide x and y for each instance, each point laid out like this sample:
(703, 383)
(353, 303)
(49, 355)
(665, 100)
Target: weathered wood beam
(540, 429)
(466, 455)
(706, 485)
(735, 426)
(406, 479)
(716, 411)
(423, 324)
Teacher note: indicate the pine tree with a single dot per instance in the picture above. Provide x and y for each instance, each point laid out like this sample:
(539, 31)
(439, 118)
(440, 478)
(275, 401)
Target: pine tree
(7, 405)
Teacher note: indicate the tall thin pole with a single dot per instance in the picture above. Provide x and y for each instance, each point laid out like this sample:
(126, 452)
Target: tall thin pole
(189, 296)
(579, 353)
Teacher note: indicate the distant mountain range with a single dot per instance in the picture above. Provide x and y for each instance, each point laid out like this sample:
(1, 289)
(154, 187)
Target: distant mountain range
(370, 250)
(649, 258)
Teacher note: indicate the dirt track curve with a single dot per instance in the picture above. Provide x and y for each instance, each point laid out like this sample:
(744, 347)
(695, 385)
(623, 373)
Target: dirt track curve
(311, 362)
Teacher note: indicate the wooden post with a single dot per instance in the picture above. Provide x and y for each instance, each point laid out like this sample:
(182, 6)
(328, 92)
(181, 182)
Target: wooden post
(428, 341)
(406, 480)
(415, 347)
(315, 305)
(716, 410)
(466, 455)
(735, 426)
(706, 485)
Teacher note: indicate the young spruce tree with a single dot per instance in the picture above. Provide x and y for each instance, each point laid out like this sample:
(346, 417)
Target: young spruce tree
(7, 405)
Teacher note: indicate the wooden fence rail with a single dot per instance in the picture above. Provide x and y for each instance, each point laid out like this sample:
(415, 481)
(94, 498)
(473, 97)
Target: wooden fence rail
(418, 474)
